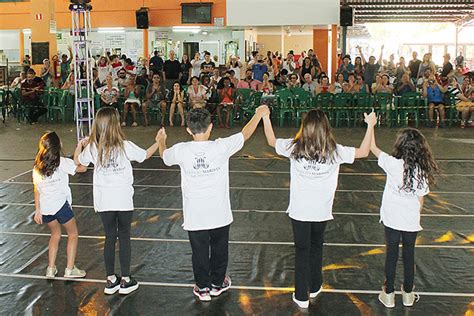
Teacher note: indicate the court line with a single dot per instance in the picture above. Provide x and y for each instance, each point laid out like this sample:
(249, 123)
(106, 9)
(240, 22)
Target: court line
(239, 242)
(236, 287)
(248, 188)
(151, 209)
(33, 259)
(9, 180)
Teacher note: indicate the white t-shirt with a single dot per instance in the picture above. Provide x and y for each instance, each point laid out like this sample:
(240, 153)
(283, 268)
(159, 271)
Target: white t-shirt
(54, 191)
(196, 69)
(400, 210)
(103, 72)
(113, 183)
(205, 180)
(287, 67)
(313, 185)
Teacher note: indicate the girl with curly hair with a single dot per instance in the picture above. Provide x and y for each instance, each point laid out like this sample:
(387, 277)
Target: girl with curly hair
(53, 201)
(410, 171)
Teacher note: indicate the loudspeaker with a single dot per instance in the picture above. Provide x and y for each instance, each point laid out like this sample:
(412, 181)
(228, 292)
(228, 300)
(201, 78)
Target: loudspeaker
(142, 18)
(346, 16)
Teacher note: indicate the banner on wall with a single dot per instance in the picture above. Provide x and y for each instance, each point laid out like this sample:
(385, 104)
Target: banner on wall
(115, 40)
(161, 35)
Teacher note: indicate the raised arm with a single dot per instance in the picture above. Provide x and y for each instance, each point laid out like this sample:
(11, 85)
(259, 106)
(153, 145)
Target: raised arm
(364, 149)
(373, 147)
(362, 55)
(269, 133)
(251, 126)
(161, 141)
(153, 148)
(381, 54)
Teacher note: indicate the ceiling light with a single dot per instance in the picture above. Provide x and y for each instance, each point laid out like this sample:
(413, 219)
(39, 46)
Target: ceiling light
(26, 31)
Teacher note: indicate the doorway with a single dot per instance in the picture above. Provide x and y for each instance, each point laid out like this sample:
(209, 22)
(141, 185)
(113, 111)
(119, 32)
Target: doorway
(190, 48)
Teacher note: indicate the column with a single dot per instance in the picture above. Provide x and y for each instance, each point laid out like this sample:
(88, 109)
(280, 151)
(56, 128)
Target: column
(320, 46)
(22, 45)
(146, 52)
(42, 13)
(333, 51)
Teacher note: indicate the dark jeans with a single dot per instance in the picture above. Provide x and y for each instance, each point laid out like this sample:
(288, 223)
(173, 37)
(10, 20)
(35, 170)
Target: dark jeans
(117, 223)
(35, 110)
(210, 270)
(392, 240)
(309, 239)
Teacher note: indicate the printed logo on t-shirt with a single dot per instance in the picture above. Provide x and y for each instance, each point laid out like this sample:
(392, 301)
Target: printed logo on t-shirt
(200, 162)
(311, 165)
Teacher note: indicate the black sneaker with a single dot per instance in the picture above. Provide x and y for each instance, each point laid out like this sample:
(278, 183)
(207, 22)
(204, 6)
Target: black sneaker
(218, 290)
(112, 288)
(128, 287)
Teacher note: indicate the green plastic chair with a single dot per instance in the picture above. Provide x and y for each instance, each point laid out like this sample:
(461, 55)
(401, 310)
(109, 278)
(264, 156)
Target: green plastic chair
(362, 103)
(55, 106)
(324, 101)
(452, 114)
(383, 105)
(248, 108)
(303, 103)
(409, 103)
(284, 105)
(342, 108)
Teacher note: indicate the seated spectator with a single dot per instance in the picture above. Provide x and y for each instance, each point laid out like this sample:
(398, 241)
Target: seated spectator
(363, 88)
(266, 86)
(226, 101)
(16, 83)
(384, 86)
(467, 88)
(104, 69)
(155, 98)
(289, 64)
(459, 74)
(233, 78)
(177, 98)
(109, 94)
(197, 94)
(70, 84)
(142, 78)
(220, 84)
(324, 86)
(32, 90)
(293, 82)
(376, 84)
(281, 80)
(259, 68)
(351, 85)
(307, 67)
(129, 68)
(433, 91)
(122, 80)
(346, 67)
(358, 67)
(116, 66)
(309, 85)
(464, 105)
(248, 82)
(339, 84)
(132, 93)
(423, 79)
(405, 85)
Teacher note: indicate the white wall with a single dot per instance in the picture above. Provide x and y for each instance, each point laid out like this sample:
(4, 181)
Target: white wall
(282, 12)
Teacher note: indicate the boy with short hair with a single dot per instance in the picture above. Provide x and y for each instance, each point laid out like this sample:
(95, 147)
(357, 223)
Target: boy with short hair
(206, 200)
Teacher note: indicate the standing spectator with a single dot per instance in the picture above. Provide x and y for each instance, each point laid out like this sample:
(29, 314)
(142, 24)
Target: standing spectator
(405, 85)
(448, 70)
(459, 74)
(171, 71)
(104, 69)
(185, 70)
(426, 64)
(259, 68)
(233, 78)
(196, 63)
(309, 85)
(371, 67)
(346, 67)
(156, 97)
(226, 101)
(463, 104)
(433, 91)
(391, 67)
(460, 60)
(32, 90)
(307, 67)
(207, 66)
(141, 64)
(253, 59)
(401, 69)
(235, 65)
(414, 66)
(115, 66)
(46, 72)
(289, 64)
(358, 67)
(110, 94)
(66, 65)
(156, 63)
(55, 72)
(248, 82)
(26, 64)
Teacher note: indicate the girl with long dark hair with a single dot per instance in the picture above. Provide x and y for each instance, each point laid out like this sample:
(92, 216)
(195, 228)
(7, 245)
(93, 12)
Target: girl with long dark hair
(315, 159)
(411, 169)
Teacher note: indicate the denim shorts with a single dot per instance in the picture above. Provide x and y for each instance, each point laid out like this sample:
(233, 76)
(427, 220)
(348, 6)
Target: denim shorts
(63, 216)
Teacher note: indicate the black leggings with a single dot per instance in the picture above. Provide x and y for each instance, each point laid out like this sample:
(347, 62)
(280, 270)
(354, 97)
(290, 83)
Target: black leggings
(309, 239)
(392, 240)
(117, 223)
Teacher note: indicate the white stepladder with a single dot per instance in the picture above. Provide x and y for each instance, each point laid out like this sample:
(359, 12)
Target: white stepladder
(83, 64)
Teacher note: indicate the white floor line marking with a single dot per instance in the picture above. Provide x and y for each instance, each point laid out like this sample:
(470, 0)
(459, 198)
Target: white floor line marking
(175, 209)
(240, 242)
(18, 175)
(162, 186)
(31, 260)
(236, 287)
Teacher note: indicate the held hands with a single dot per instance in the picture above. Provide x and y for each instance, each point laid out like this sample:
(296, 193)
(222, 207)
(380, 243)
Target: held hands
(38, 217)
(370, 119)
(262, 111)
(161, 136)
(83, 142)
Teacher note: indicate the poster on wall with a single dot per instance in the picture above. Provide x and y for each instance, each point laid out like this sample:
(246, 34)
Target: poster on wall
(116, 40)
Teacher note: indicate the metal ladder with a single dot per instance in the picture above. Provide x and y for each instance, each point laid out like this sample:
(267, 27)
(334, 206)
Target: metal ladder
(83, 64)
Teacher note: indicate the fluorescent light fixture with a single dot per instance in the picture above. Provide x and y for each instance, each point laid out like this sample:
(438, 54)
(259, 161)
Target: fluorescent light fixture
(26, 31)
(187, 29)
(111, 30)
(204, 33)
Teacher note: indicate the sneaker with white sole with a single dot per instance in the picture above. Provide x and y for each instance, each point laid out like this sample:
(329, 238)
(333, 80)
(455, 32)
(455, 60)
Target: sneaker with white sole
(218, 290)
(301, 304)
(51, 272)
(409, 298)
(387, 299)
(75, 272)
(134, 124)
(128, 287)
(203, 294)
(112, 287)
(315, 294)
(123, 124)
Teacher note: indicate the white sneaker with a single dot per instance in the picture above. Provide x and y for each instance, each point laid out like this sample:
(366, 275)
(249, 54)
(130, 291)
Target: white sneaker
(51, 272)
(123, 124)
(203, 294)
(134, 124)
(301, 304)
(315, 294)
(409, 298)
(387, 299)
(74, 273)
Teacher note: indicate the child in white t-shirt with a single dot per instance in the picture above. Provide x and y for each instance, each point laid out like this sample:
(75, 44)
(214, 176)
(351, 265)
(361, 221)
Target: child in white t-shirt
(410, 170)
(111, 155)
(53, 201)
(206, 203)
(315, 158)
